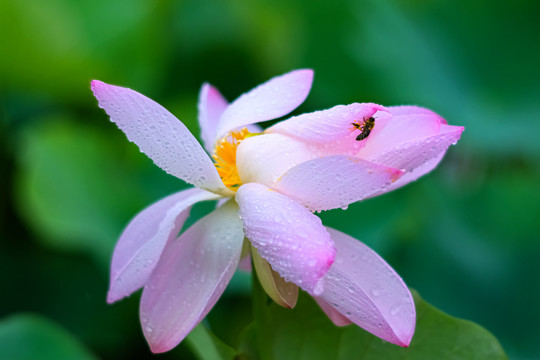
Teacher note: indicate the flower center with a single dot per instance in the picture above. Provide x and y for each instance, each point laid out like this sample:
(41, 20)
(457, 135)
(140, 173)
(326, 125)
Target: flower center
(225, 157)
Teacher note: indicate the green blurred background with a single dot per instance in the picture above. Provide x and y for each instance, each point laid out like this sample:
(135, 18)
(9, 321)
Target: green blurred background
(466, 236)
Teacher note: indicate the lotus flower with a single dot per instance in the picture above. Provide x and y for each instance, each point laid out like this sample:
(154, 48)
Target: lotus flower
(269, 185)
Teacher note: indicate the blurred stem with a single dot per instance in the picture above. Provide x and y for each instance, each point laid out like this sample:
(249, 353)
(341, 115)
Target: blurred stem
(260, 316)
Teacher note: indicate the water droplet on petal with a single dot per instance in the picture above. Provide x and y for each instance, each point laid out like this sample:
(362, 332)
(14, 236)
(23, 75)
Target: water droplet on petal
(396, 309)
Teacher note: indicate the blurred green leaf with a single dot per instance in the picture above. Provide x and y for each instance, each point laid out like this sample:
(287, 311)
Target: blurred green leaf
(437, 55)
(207, 346)
(73, 191)
(58, 46)
(506, 206)
(31, 337)
(306, 333)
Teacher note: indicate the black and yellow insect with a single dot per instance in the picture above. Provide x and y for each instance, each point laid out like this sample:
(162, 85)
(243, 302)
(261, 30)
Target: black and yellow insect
(365, 128)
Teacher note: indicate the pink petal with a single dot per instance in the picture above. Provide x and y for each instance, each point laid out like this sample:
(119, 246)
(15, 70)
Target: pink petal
(190, 277)
(245, 257)
(264, 158)
(390, 132)
(273, 99)
(413, 110)
(411, 176)
(245, 263)
(415, 153)
(211, 106)
(335, 181)
(142, 242)
(286, 234)
(334, 315)
(326, 125)
(365, 289)
(160, 135)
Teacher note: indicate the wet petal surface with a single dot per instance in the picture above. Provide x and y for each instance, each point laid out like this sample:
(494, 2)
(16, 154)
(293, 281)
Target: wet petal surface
(160, 135)
(264, 158)
(270, 100)
(366, 290)
(326, 125)
(412, 154)
(334, 315)
(141, 244)
(190, 277)
(335, 181)
(413, 110)
(286, 234)
(390, 132)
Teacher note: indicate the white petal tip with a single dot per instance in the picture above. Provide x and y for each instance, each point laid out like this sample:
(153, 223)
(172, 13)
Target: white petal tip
(306, 72)
(306, 75)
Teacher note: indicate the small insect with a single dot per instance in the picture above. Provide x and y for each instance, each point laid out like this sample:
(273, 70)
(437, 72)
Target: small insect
(365, 128)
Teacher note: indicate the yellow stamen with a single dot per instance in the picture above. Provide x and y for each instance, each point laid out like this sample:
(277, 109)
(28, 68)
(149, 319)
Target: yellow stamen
(225, 157)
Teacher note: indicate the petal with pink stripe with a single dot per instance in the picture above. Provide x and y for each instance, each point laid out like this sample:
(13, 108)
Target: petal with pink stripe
(414, 153)
(411, 176)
